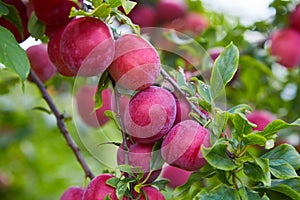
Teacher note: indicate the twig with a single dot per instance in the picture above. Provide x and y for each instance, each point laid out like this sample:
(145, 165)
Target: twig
(61, 125)
(167, 77)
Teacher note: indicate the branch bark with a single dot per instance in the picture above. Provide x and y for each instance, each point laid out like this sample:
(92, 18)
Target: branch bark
(61, 125)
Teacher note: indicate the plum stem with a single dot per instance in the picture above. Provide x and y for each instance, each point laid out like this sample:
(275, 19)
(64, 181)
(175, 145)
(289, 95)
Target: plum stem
(61, 125)
(167, 77)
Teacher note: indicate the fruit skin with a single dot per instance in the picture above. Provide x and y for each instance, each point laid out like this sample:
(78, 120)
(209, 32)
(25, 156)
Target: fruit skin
(151, 192)
(85, 105)
(150, 114)
(139, 155)
(136, 64)
(284, 45)
(54, 12)
(182, 110)
(168, 10)
(55, 55)
(20, 6)
(97, 189)
(72, 193)
(144, 16)
(87, 46)
(176, 175)
(294, 18)
(40, 62)
(182, 145)
(261, 118)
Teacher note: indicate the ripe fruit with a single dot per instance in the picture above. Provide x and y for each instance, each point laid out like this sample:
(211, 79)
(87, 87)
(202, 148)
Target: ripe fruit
(182, 145)
(85, 104)
(284, 45)
(261, 118)
(182, 110)
(150, 114)
(40, 62)
(168, 10)
(87, 46)
(139, 155)
(97, 189)
(176, 175)
(54, 12)
(294, 18)
(136, 63)
(21, 8)
(151, 192)
(215, 52)
(143, 15)
(55, 55)
(73, 193)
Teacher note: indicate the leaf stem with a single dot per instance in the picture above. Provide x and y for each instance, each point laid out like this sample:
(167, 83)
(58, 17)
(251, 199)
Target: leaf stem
(61, 125)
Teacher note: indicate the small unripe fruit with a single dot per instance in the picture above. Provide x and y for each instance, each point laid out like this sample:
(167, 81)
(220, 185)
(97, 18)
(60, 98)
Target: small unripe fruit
(21, 8)
(139, 155)
(136, 64)
(97, 189)
(150, 114)
(285, 46)
(261, 118)
(54, 12)
(73, 193)
(85, 104)
(176, 176)
(40, 62)
(87, 46)
(182, 145)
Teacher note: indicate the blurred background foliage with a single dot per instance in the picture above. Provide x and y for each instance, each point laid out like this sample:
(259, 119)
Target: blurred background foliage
(35, 161)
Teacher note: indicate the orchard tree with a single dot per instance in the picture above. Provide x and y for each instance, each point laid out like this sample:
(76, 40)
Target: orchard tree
(169, 100)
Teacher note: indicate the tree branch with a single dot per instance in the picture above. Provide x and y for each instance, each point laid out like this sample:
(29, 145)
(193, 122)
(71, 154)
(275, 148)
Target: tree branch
(167, 77)
(61, 125)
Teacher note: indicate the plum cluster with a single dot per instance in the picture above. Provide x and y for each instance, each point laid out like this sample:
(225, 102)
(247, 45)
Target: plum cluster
(285, 42)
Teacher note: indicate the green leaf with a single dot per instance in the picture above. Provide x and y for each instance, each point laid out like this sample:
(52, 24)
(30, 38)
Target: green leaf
(253, 138)
(218, 123)
(242, 108)
(114, 3)
(249, 194)
(107, 197)
(284, 152)
(223, 71)
(216, 156)
(160, 184)
(192, 186)
(282, 169)
(35, 27)
(124, 19)
(219, 193)
(203, 89)
(128, 5)
(272, 128)
(102, 10)
(3, 9)
(256, 173)
(241, 124)
(156, 161)
(14, 17)
(121, 189)
(113, 182)
(113, 116)
(12, 55)
(223, 176)
(289, 187)
(102, 85)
